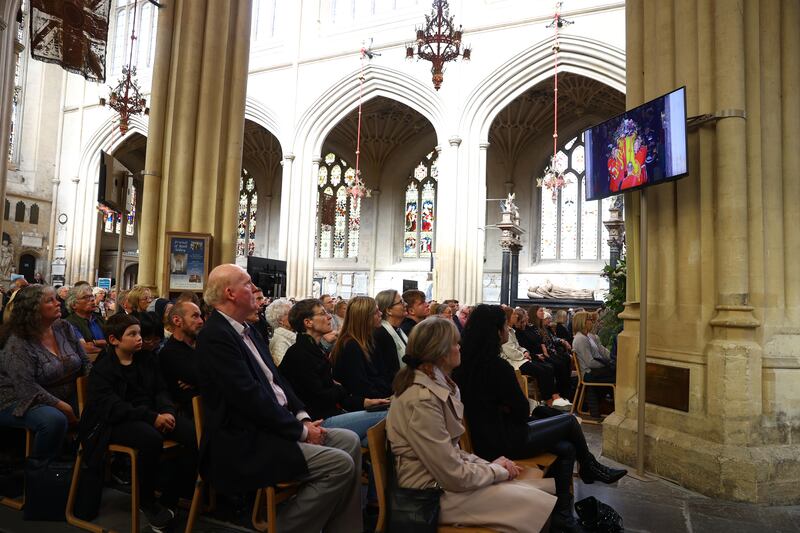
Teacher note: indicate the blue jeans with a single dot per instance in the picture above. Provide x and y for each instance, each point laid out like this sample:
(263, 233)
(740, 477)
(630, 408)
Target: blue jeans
(358, 422)
(48, 424)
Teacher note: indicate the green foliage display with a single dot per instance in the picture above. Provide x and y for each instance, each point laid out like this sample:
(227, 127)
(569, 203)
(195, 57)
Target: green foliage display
(610, 323)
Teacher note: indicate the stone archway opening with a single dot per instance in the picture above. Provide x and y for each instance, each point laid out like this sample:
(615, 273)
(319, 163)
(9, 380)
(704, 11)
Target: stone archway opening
(564, 240)
(367, 244)
(260, 194)
(129, 158)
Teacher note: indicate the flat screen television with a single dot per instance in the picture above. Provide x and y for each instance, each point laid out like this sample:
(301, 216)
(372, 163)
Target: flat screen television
(644, 146)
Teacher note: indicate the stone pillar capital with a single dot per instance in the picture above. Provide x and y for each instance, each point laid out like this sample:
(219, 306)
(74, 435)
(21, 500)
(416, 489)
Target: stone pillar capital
(484, 146)
(316, 160)
(289, 157)
(455, 140)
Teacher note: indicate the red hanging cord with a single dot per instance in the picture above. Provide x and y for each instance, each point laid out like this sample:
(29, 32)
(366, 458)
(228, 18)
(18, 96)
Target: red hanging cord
(358, 130)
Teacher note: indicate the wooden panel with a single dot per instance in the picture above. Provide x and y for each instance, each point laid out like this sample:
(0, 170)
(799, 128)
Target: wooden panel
(668, 386)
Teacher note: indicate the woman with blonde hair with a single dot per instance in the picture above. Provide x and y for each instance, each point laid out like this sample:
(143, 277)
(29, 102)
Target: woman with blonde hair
(594, 358)
(139, 299)
(423, 428)
(352, 355)
(390, 341)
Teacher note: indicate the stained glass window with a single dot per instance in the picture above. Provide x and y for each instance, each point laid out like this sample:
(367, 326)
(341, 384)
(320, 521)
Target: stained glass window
(419, 225)
(248, 207)
(572, 228)
(338, 213)
(112, 221)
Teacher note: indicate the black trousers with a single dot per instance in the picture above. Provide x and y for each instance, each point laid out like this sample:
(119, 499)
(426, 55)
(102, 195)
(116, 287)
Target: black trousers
(560, 435)
(179, 474)
(606, 374)
(562, 371)
(544, 374)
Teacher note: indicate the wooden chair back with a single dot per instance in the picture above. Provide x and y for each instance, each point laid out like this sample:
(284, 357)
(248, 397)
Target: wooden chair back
(81, 386)
(197, 410)
(376, 437)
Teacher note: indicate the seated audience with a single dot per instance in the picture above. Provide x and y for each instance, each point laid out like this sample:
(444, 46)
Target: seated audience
(122, 305)
(41, 359)
(177, 358)
(8, 305)
(329, 339)
(463, 316)
(283, 337)
(257, 431)
(417, 310)
(594, 358)
(557, 352)
(499, 415)
(260, 322)
(339, 310)
(151, 330)
(534, 365)
(88, 328)
(561, 327)
(128, 404)
(352, 356)
(138, 299)
(308, 370)
(99, 302)
(61, 296)
(423, 428)
(390, 341)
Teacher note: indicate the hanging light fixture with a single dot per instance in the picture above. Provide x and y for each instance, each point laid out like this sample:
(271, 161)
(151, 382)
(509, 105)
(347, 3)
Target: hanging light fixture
(126, 98)
(359, 189)
(553, 178)
(439, 41)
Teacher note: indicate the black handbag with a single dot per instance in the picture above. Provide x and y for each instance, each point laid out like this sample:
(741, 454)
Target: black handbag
(595, 515)
(46, 489)
(410, 510)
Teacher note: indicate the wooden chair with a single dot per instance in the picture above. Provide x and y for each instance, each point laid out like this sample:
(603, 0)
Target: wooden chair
(376, 435)
(19, 503)
(529, 386)
(267, 499)
(113, 448)
(580, 393)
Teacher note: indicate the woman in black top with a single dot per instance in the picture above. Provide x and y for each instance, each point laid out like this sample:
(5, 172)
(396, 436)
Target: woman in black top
(352, 354)
(307, 369)
(499, 414)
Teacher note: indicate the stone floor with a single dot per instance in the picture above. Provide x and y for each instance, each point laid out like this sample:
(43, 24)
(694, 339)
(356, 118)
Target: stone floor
(656, 506)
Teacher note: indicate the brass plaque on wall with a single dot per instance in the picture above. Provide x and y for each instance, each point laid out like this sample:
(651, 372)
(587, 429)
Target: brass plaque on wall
(668, 386)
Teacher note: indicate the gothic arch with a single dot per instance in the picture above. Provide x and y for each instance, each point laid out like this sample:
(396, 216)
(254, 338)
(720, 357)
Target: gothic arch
(580, 55)
(255, 111)
(335, 103)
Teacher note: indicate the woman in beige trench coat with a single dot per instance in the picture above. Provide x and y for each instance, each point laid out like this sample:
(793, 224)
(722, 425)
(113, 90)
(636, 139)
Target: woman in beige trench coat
(424, 426)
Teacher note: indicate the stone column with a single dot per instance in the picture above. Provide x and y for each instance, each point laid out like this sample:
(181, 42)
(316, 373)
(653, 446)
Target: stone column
(194, 145)
(301, 254)
(472, 288)
(505, 275)
(286, 193)
(447, 222)
(8, 40)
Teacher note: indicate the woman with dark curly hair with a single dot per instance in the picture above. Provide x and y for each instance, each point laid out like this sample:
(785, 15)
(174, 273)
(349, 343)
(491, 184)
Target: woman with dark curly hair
(500, 417)
(39, 364)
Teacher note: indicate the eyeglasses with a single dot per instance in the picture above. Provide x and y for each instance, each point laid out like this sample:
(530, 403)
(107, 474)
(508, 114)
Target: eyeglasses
(401, 302)
(323, 313)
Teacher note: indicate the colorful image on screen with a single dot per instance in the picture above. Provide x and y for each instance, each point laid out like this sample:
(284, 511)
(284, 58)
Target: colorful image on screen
(643, 146)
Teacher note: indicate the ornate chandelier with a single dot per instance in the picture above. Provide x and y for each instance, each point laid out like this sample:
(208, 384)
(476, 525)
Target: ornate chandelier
(439, 41)
(126, 98)
(553, 178)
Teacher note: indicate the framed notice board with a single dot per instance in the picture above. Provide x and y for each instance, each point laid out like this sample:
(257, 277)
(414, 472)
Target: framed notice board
(186, 261)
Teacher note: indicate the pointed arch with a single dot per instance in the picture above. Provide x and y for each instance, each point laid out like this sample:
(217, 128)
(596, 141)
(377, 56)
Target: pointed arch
(580, 55)
(329, 109)
(256, 111)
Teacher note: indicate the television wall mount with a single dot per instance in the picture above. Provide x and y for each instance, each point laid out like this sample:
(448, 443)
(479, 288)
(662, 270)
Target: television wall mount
(692, 123)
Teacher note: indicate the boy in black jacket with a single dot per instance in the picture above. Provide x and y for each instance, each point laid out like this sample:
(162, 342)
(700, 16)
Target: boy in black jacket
(128, 398)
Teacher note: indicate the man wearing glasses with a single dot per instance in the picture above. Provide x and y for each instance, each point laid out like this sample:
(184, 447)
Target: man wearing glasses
(81, 303)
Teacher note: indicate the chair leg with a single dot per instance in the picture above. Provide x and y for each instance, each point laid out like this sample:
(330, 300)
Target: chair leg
(575, 400)
(197, 498)
(259, 523)
(134, 493)
(272, 511)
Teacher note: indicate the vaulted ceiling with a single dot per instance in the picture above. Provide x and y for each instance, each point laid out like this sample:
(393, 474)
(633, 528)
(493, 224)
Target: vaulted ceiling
(530, 116)
(385, 126)
(261, 153)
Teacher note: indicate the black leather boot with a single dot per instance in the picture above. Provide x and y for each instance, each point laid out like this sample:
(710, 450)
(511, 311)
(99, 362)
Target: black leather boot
(593, 470)
(562, 520)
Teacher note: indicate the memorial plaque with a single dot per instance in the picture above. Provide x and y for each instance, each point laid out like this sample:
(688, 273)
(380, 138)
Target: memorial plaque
(668, 386)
